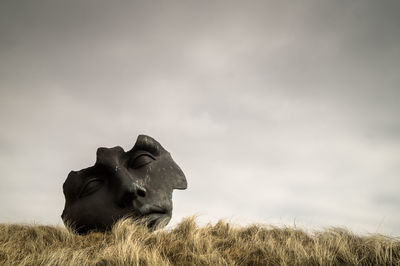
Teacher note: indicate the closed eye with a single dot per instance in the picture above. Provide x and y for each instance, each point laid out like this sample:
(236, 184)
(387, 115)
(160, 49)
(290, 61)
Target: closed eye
(141, 160)
(91, 186)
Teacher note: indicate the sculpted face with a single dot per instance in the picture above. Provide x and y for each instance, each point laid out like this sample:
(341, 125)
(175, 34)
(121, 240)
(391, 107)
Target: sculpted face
(137, 183)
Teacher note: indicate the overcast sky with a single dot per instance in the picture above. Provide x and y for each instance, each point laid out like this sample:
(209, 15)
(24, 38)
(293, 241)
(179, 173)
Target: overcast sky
(278, 112)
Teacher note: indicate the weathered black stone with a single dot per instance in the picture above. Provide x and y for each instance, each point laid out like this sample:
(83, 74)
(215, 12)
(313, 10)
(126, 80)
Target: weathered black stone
(137, 183)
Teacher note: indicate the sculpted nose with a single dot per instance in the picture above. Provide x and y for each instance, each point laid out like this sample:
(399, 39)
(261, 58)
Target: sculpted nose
(130, 191)
(138, 190)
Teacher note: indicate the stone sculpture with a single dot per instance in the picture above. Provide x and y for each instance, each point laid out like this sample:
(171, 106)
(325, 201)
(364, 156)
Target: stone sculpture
(137, 184)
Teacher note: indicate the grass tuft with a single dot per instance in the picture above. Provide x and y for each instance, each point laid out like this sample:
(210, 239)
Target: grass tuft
(130, 243)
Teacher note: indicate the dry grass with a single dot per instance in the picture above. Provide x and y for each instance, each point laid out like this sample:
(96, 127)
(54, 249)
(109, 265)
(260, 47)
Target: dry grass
(221, 244)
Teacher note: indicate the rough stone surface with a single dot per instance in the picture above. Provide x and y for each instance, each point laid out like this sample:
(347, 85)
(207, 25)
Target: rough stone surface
(137, 183)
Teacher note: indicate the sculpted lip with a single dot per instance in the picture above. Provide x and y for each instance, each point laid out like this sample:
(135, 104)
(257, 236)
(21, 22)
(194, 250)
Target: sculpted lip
(154, 215)
(151, 209)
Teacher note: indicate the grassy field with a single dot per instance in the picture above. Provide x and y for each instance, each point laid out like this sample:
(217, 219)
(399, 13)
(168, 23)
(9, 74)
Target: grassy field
(189, 244)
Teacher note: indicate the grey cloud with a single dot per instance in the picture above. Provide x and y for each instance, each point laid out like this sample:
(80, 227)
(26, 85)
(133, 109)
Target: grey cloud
(265, 105)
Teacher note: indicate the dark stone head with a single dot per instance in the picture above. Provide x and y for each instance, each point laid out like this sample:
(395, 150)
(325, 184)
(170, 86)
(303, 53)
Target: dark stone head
(137, 183)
